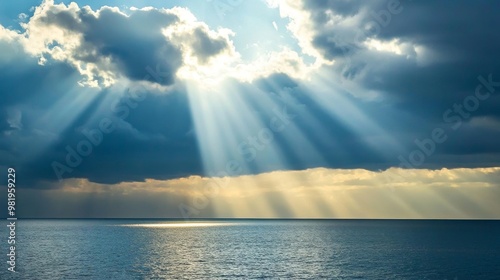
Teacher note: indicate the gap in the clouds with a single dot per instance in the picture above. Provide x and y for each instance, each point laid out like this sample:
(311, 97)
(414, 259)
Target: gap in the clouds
(10, 11)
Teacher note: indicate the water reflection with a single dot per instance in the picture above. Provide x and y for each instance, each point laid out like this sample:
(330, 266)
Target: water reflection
(179, 225)
(168, 249)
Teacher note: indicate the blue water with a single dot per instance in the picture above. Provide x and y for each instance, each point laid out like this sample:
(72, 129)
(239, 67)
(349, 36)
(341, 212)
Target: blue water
(349, 249)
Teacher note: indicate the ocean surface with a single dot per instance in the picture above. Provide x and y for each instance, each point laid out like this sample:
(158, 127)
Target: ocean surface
(254, 249)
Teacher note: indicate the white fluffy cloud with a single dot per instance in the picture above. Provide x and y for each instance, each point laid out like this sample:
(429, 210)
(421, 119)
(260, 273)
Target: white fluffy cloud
(144, 45)
(105, 45)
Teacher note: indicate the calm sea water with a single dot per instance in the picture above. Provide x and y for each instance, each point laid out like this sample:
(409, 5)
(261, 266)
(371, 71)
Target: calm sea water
(225, 249)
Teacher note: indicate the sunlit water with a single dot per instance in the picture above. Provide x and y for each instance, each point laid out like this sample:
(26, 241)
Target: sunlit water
(135, 249)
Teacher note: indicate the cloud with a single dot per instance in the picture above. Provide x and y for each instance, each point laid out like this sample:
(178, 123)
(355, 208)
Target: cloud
(144, 44)
(108, 44)
(318, 193)
(410, 50)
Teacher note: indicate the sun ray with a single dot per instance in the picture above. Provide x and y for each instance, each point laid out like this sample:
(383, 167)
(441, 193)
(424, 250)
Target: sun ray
(330, 97)
(60, 117)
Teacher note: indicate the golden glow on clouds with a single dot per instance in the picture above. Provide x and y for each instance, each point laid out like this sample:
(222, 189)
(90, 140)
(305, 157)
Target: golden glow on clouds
(322, 193)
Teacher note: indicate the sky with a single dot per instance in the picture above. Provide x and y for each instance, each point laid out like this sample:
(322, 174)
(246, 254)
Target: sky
(251, 109)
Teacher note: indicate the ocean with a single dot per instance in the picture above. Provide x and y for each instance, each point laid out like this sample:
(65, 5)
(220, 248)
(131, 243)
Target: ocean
(254, 249)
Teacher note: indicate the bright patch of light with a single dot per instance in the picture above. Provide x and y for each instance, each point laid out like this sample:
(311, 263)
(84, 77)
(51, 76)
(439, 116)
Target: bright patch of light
(222, 68)
(179, 225)
(209, 75)
(392, 46)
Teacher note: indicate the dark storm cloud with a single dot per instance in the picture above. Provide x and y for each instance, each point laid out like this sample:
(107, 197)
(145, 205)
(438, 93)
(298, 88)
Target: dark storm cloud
(133, 43)
(28, 90)
(153, 140)
(446, 46)
(457, 39)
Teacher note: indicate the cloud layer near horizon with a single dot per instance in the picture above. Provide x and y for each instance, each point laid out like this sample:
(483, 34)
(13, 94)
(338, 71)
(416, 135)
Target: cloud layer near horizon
(313, 193)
